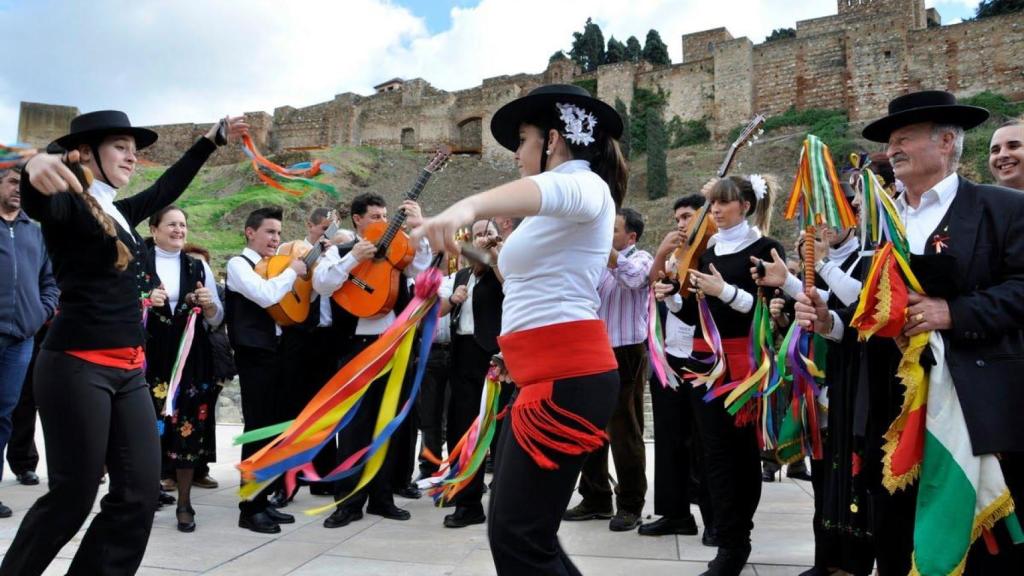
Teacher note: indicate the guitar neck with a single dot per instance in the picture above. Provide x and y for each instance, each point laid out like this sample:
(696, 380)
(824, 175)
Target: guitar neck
(314, 253)
(399, 218)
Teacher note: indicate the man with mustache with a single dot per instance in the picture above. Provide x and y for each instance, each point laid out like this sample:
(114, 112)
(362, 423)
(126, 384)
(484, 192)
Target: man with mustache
(967, 249)
(1006, 155)
(28, 297)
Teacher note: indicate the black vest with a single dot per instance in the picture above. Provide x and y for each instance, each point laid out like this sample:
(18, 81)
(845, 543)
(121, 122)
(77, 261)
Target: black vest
(248, 324)
(488, 298)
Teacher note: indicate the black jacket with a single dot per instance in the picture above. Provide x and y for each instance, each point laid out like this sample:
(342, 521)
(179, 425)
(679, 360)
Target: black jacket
(100, 305)
(985, 281)
(28, 292)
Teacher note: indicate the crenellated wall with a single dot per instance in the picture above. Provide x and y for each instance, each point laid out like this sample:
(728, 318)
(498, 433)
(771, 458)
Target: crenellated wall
(856, 60)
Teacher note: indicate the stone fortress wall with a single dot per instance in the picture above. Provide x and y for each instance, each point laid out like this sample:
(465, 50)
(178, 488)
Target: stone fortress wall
(857, 60)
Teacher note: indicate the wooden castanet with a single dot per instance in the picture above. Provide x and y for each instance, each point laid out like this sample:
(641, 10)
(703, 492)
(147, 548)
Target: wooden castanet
(372, 286)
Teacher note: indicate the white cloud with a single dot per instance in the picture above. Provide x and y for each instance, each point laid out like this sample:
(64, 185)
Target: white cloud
(167, 61)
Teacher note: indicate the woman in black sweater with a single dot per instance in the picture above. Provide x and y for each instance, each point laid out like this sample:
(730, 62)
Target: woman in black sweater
(93, 399)
(731, 455)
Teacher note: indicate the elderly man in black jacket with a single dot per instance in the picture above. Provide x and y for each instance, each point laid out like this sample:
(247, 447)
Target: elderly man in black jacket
(967, 246)
(28, 297)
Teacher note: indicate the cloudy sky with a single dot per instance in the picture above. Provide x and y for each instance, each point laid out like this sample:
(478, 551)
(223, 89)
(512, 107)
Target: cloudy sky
(166, 61)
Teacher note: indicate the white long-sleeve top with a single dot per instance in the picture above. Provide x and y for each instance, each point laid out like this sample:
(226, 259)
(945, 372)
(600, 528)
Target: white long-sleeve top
(168, 269)
(264, 292)
(334, 270)
(553, 261)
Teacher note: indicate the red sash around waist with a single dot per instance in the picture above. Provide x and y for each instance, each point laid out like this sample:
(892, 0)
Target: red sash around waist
(124, 358)
(535, 359)
(737, 355)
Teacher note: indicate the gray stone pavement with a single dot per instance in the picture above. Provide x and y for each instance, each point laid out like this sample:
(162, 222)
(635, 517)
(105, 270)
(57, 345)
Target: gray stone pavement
(782, 542)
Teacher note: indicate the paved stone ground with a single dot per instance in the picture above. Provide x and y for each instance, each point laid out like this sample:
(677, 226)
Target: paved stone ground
(782, 540)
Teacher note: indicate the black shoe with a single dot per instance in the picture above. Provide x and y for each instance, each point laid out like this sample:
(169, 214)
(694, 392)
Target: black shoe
(767, 476)
(258, 522)
(728, 562)
(410, 491)
(5, 511)
(815, 571)
(584, 511)
(279, 517)
(709, 539)
(278, 499)
(186, 519)
(321, 489)
(389, 511)
(463, 517)
(28, 478)
(665, 526)
(342, 517)
(165, 499)
(804, 475)
(624, 522)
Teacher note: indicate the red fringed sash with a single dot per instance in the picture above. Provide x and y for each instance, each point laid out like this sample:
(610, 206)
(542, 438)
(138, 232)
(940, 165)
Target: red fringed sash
(535, 359)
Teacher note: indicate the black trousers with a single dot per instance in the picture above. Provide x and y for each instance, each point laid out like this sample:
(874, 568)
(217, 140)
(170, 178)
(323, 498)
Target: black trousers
(359, 433)
(263, 404)
(732, 467)
(432, 404)
(469, 368)
(21, 448)
(311, 359)
(91, 415)
(527, 502)
(626, 438)
(677, 457)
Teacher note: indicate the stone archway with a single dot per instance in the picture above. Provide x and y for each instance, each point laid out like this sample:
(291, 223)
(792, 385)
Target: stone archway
(408, 139)
(470, 136)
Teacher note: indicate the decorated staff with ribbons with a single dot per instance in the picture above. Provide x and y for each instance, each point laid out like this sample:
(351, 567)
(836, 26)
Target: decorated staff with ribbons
(726, 310)
(841, 520)
(179, 363)
(949, 287)
(554, 346)
(93, 399)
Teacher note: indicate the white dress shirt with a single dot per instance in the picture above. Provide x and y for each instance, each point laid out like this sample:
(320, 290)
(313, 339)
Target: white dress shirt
(104, 194)
(265, 293)
(678, 334)
(325, 303)
(922, 221)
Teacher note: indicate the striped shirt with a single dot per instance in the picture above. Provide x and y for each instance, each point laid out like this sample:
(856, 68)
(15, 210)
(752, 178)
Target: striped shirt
(624, 293)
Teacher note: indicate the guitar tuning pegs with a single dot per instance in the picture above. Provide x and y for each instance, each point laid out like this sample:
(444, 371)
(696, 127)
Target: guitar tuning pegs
(749, 143)
(760, 131)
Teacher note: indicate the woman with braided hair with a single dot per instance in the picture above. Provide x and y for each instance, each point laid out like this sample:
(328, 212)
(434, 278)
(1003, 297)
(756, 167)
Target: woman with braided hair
(93, 399)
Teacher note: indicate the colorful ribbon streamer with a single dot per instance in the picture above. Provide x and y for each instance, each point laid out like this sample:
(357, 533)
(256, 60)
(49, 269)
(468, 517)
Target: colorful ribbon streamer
(816, 189)
(11, 156)
(713, 368)
(465, 459)
(656, 346)
(184, 347)
(298, 441)
(301, 173)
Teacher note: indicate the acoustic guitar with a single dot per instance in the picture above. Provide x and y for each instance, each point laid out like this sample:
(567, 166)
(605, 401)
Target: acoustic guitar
(703, 227)
(372, 286)
(294, 307)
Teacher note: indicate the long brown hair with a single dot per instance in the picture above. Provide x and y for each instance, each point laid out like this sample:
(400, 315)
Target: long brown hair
(124, 255)
(739, 189)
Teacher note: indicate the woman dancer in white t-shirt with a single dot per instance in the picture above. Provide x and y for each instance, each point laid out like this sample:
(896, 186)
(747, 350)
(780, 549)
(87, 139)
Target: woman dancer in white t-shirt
(554, 346)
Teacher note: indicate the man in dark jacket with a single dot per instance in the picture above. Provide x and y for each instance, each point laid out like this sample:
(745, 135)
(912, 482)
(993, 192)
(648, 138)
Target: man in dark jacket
(28, 297)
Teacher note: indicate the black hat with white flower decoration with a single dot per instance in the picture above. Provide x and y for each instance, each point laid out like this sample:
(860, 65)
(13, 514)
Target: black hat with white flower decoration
(581, 119)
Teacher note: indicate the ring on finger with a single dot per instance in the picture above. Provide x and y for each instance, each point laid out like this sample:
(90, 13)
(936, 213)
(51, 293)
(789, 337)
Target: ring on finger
(919, 316)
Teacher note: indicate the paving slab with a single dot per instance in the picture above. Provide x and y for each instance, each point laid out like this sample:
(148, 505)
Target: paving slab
(783, 542)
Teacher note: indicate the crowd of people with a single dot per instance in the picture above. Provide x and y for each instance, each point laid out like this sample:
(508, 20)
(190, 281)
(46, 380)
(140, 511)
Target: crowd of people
(556, 294)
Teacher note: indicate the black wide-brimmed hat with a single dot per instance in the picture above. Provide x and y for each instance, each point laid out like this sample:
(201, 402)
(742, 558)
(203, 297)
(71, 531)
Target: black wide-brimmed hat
(87, 127)
(505, 122)
(927, 106)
